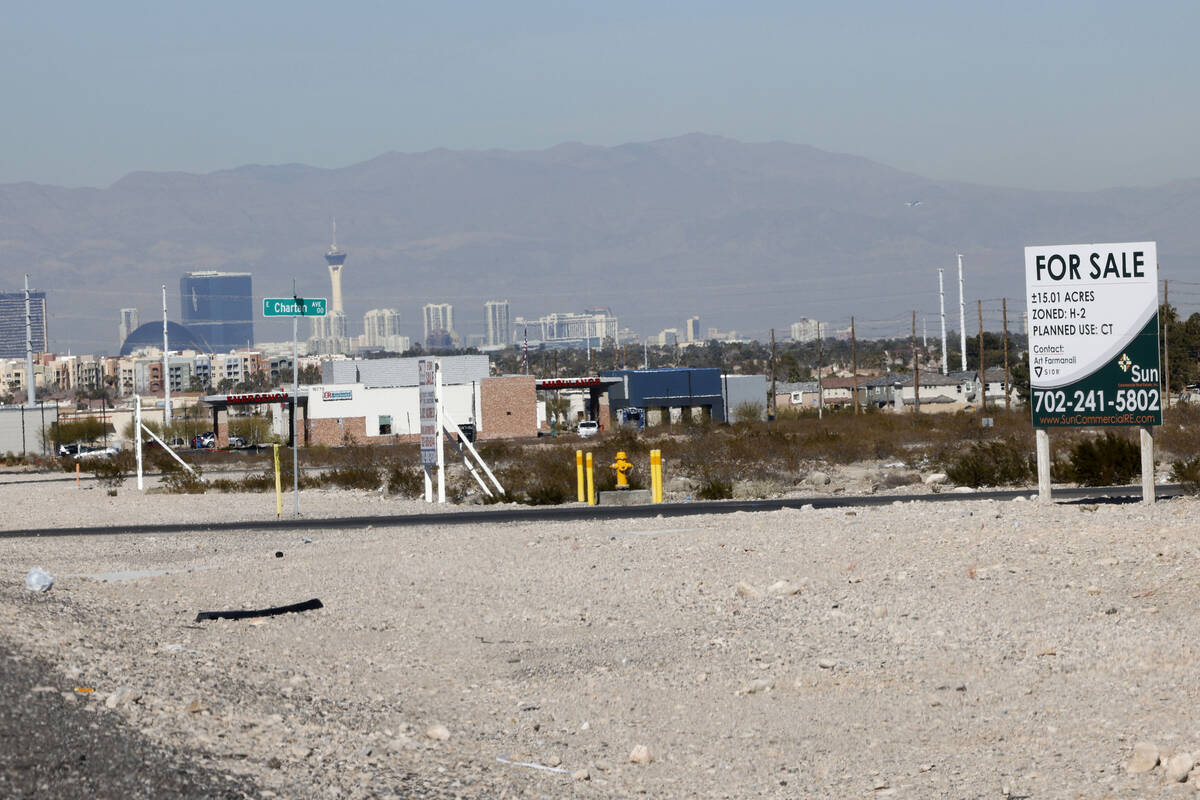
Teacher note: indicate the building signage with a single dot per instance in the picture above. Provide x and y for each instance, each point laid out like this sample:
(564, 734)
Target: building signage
(254, 399)
(1093, 334)
(427, 389)
(337, 394)
(294, 306)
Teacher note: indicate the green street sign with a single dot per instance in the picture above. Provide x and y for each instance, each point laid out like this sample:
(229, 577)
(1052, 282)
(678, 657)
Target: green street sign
(294, 306)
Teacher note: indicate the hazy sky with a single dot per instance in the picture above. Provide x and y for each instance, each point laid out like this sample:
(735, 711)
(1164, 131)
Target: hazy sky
(1068, 95)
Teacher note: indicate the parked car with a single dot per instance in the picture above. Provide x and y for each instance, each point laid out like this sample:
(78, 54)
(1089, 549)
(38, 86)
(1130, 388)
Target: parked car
(96, 452)
(588, 427)
(68, 449)
(237, 441)
(205, 440)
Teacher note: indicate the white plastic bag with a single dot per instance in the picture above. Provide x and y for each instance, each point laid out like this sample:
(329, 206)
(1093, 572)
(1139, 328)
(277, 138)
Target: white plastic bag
(38, 580)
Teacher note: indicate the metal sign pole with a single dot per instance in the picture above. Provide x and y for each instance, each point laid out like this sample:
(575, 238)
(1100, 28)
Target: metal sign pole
(295, 413)
(441, 454)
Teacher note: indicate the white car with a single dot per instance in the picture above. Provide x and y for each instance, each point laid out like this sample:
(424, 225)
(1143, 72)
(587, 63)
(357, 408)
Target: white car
(588, 427)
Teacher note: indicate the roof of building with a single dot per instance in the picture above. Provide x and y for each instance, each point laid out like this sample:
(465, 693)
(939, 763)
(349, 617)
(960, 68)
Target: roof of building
(179, 337)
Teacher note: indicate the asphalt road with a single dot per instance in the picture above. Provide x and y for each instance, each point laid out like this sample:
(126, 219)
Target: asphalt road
(575, 512)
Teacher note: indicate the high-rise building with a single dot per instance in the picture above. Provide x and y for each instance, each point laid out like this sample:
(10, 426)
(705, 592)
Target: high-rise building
(329, 332)
(806, 330)
(495, 319)
(691, 329)
(438, 317)
(12, 323)
(218, 307)
(593, 326)
(129, 323)
(382, 330)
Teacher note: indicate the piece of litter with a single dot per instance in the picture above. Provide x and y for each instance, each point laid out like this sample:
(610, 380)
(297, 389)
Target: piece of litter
(38, 580)
(307, 605)
(178, 648)
(84, 689)
(504, 760)
(306, 540)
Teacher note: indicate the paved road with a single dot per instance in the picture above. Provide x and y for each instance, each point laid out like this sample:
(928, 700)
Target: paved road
(54, 748)
(576, 512)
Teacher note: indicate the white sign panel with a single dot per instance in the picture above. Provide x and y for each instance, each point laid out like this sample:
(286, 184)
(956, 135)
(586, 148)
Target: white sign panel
(1093, 334)
(427, 388)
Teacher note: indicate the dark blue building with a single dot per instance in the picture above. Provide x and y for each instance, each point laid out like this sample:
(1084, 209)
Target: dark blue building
(659, 390)
(219, 308)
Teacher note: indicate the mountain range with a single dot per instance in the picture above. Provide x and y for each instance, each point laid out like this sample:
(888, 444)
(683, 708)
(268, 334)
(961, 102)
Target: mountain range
(747, 236)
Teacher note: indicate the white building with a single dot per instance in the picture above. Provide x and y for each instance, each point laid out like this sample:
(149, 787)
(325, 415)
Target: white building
(437, 317)
(381, 328)
(691, 329)
(129, 323)
(495, 319)
(806, 330)
(564, 328)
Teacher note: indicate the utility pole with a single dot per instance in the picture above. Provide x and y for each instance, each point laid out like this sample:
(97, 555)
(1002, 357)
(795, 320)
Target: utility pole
(854, 363)
(982, 374)
(962, 314)
(771, 399)
(820, 390)
(1007, 374)
(942, 300)
(1166, 344)
(916, 367)
(30, 384)
(167, 370)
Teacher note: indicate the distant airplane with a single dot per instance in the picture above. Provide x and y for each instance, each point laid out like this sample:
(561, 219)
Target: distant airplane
(913, 203)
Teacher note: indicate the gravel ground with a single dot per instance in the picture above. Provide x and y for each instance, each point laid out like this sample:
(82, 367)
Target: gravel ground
(973, 649)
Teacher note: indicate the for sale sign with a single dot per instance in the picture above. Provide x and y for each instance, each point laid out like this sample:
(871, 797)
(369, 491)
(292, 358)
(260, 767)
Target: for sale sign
(1093, 334)
(427, 390)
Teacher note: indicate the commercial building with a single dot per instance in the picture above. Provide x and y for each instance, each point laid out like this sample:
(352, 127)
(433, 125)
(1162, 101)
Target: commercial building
(128, 324)
(498, 331)
(381, 331)
(691, 329)
(218, 307)
(806, 330)
(573, 330)
(12, 323)
(438, 321)
(667, 395)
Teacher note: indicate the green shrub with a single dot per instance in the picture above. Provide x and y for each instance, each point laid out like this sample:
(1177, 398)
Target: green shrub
(1187, 475)
(405, 479)
(999, 462)
(179, 481)
(714, 487)
(1105, 461)
(353, 476)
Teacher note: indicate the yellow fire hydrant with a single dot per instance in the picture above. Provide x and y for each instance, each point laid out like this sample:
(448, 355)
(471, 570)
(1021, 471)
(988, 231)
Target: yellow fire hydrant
(622, 465)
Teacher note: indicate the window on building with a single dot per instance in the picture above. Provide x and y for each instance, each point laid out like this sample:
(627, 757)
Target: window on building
(385, 426)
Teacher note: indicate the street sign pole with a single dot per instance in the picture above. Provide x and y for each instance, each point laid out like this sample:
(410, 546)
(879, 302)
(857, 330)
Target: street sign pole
(295, 307)
(295, 413)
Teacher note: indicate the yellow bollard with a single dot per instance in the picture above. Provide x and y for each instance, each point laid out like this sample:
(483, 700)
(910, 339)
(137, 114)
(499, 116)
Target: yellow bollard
(591, 482)
(278, 485)
(656, 485)
(579, 475)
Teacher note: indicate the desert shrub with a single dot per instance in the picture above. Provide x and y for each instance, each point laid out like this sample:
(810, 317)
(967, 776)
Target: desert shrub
(747, 412)
(405, 479)
(547, 494)
(713, 487)
(1105, 461)
(1187, 474)
(110, 472)
(352, 476)
(998, 462)
(178, 480)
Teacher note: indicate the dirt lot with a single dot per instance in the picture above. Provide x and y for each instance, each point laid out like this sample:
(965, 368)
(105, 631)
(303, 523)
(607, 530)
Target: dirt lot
(965, 649)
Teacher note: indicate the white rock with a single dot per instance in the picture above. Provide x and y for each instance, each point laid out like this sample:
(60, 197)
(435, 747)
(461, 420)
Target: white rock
(817, 478)
(1144, 759)
(827, 663)
(744, 589)
(1178, 766)
(438, 732)
(757, 686)
(641, 755)
(581, 775)
(121, 697)
(963, 490)
(936, 479)
(879, 612)
(783, 587)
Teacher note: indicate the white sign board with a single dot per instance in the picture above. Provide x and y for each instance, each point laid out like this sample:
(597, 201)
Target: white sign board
(427, 388)
(1093, 334)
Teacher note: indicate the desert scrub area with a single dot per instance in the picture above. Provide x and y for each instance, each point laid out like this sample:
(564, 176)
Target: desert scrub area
(837, 451)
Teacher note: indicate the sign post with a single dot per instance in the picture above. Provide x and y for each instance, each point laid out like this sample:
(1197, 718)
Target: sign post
(295, 307)
(429, 383)
(1093, 344)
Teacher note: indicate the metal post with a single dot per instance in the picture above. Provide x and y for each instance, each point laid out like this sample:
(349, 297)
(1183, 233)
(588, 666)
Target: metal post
(579, 475)
(591, 481)
(31, 389)
(1147, 442)
(820, 391)
(166, 371)
(1043, 463)
(854, 364)
(441, 451)
(982, 372)
(1007, 372)
(942, 301)
(137, 437)
(962, 315)
(295, 407)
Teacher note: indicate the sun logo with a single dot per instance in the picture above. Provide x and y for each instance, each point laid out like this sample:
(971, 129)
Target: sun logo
(1124, 363)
